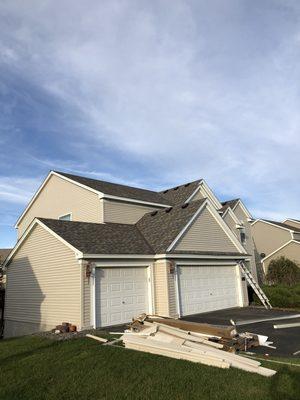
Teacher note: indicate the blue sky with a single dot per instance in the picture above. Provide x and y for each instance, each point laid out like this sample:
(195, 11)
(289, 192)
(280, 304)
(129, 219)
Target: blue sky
(152, 94)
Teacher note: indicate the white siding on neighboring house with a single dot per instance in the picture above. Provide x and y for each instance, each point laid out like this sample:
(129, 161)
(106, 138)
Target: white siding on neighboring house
(43, 285)
(205, 234)
(124, 213)
(60, 197)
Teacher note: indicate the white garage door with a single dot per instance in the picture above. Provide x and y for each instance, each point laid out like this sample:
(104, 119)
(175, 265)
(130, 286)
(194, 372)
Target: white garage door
(121, 293)
(207, 288)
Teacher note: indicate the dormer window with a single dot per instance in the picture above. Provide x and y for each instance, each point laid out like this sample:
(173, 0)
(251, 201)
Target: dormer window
(66, 217)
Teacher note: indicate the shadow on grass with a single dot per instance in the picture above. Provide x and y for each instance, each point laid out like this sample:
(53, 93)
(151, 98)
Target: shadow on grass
(18, 356)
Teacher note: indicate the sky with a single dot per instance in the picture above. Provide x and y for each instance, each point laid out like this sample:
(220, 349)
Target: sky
(151, 94)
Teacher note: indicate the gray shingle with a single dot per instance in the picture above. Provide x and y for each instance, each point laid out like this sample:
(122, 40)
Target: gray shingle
(180, 194)
(109, 238)
(161, 228)
(114, 189)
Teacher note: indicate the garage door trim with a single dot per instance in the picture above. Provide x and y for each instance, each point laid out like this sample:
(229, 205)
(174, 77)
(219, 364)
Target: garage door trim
(208, 263)
(149, 270)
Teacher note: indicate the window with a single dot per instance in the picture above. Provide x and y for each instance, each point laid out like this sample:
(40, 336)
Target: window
(243, 236)
(66, 217)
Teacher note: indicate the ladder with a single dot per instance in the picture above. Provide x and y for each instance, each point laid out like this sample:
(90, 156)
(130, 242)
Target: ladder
(255, 286)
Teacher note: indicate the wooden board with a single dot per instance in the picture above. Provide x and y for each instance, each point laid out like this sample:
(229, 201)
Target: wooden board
(226, 331)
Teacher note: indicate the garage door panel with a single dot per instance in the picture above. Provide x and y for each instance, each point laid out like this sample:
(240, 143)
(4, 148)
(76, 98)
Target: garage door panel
(121, 293)
(207, 288)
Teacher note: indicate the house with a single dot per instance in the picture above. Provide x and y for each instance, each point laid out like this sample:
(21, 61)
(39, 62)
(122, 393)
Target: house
(3, 255)
(273, 239)
(96, 253)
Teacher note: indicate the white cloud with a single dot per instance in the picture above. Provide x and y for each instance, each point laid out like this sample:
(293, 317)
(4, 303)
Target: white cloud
(191, 90)
(17, 190)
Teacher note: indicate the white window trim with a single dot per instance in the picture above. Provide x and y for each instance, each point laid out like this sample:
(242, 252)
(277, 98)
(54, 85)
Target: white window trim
(64, 215)
(149, 271)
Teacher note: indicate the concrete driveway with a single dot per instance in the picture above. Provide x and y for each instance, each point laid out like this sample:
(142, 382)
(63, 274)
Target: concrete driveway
(286, 340)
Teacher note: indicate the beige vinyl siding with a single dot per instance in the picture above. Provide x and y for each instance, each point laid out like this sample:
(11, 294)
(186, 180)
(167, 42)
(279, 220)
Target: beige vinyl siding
(198, 196)
(206, 234)
(232, 224)
(249, 244)
(161, 287)
(291, 251)
(267, 238)
(290, 222)
(43, 282)
(60, 197)
(124, 213)
(86, 299)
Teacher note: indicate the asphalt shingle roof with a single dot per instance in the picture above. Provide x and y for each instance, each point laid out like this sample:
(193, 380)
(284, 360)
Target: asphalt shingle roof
(179, 194)
(161, 228)
(152, 234)
(229, 203)
(114, 189)
(108, 238)
(3, 254)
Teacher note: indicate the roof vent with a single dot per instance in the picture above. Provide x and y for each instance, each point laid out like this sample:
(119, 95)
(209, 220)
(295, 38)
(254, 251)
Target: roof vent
(185, 205)
(167, 210)
(187, 184)
(176, 188)
(153, 213)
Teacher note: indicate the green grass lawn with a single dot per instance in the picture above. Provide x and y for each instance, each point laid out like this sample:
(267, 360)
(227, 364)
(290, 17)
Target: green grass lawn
(36, 368)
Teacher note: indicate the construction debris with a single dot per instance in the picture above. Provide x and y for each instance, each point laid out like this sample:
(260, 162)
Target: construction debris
(100, 339)
(282, 326)
(201, 343)
(255, 321)
(64, 328)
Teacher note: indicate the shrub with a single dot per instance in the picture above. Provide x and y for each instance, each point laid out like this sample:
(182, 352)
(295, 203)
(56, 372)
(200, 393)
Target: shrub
(282, 296)
(283, 271)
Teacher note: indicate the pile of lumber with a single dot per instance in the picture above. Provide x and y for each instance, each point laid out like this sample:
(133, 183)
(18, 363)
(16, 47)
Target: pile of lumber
(201, 343)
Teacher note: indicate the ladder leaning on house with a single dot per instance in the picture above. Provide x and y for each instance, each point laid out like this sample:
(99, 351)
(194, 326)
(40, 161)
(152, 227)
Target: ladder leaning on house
(255, 286)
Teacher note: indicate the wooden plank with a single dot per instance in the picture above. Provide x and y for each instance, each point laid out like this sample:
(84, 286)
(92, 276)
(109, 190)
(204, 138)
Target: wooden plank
(100, 339)
(226, 331)
(186, 335)
(255, 321)
(283, 326)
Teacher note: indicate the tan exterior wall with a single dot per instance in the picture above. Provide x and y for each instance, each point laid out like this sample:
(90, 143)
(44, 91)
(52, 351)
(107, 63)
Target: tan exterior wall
(164, 289)
(198, 196)
(43, 285)
(124, 213)
(232, 224)
(59, 197)
(291, 251)
(267, 238)
(206, 234)
(249, 245)
(295, 224)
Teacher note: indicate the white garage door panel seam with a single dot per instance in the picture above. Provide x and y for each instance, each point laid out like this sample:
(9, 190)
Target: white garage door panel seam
(120, 293)
(204, 288)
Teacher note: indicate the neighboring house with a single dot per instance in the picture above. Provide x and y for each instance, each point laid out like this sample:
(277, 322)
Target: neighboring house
(274, 239)
(95, 254)
(239, 219)
(3, 255)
